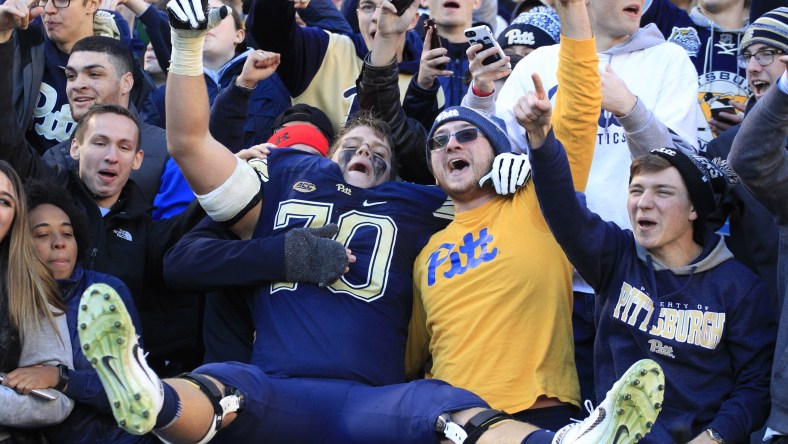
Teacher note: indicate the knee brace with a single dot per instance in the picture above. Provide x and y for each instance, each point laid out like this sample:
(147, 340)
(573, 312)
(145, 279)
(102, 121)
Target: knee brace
(473, 429)
(232, 400)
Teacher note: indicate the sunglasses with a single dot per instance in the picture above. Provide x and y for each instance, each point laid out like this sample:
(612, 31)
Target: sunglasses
(463, 136)
(60, 4)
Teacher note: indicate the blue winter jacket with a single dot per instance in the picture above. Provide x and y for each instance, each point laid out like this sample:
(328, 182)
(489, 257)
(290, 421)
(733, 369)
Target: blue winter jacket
(91, 421)
(268, 100)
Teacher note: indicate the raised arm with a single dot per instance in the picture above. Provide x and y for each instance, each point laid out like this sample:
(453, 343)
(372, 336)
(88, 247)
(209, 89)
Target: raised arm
(213, 172)
(378, 90)
(14, 147)
(582, 234)
(758, 154)
(481, 91)
(579, 94)
(586, 239)
(230, 109)
(17, 14)
(273, 27)
(158, 30)
(324, 15)
(643, 128)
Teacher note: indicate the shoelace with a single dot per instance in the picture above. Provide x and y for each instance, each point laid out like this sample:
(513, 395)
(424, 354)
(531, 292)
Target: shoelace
(589, 406)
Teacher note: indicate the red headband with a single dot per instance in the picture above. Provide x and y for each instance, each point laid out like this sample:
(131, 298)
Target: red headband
(300, 133)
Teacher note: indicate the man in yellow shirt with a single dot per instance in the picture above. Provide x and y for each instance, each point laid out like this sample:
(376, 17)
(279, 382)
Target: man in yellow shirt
(493, 293)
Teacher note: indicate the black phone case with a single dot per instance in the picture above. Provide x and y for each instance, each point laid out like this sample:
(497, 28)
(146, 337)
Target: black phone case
(435, 42)
(487, 44)
(715, 112)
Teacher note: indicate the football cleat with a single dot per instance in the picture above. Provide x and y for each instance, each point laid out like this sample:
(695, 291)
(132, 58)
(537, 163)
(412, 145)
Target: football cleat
(627, 413)
(109, 341)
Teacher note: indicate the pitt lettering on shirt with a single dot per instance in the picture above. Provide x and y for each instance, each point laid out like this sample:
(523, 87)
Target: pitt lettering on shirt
(675, 321)
(467, 250)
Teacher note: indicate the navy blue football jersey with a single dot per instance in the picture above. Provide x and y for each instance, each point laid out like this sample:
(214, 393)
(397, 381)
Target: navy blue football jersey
(355, 328)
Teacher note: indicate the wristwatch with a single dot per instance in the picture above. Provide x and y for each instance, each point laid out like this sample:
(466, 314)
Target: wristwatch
(715, 436)
(63, 381)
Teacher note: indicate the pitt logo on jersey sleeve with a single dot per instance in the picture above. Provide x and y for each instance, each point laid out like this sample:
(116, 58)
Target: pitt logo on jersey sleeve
(676, 323)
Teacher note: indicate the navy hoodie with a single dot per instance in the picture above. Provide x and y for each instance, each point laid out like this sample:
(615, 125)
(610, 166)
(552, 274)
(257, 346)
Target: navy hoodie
(708, 324)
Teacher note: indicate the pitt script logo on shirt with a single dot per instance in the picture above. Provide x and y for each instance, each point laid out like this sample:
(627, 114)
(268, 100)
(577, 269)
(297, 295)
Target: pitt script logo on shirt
(676, 322)
(472, 252)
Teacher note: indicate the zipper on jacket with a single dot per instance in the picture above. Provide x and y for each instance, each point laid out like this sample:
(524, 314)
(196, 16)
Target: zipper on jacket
(93, 254)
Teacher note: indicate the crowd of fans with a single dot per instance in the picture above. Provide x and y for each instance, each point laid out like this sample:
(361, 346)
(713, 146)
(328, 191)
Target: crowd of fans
(338, 221)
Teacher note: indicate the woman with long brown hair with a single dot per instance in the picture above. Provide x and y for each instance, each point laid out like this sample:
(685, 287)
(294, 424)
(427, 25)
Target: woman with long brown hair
(33, 332)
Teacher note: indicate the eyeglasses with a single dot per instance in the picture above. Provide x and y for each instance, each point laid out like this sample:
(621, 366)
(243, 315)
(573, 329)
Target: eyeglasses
(60, 4)
(367, 8)
(463, 136)
(764, 58)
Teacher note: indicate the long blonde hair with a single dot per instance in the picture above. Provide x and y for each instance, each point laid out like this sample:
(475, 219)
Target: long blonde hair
(30, 288)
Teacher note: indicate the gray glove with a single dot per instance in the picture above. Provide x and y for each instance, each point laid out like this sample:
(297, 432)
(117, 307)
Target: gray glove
(312, 256)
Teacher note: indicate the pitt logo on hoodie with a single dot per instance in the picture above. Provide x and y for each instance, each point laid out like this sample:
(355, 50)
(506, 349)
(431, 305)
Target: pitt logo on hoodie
(676, 322)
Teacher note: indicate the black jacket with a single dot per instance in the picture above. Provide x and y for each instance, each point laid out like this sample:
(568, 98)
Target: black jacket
(29, 60)
(753, 237)
(378, 91)
(125, 243)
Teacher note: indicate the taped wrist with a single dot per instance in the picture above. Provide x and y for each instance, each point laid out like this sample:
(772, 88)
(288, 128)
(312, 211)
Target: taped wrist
(237, 195)
(186, 59)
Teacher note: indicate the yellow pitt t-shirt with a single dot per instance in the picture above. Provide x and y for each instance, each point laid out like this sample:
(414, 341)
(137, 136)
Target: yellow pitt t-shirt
(498, 274)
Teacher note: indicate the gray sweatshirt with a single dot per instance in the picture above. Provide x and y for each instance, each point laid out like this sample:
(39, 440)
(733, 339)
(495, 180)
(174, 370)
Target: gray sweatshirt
(39, 346)
(643, 130)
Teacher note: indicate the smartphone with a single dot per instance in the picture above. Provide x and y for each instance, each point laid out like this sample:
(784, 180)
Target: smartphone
(435, 41)
(482, 34)
(401, 5)
(38, 393)
(715, 112)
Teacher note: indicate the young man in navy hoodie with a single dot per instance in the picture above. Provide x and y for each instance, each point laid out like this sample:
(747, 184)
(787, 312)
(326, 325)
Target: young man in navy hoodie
(667, 289)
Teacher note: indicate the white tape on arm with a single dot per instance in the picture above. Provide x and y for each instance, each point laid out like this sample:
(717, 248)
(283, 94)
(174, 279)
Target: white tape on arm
(234, 195)
(186, 59)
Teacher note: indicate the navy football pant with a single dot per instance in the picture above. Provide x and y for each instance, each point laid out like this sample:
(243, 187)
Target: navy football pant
(311, 410)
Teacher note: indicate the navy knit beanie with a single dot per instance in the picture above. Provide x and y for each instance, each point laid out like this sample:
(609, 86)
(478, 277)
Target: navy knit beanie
(771, 29)
(707, 183)
(493, 128)
(536, 28)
